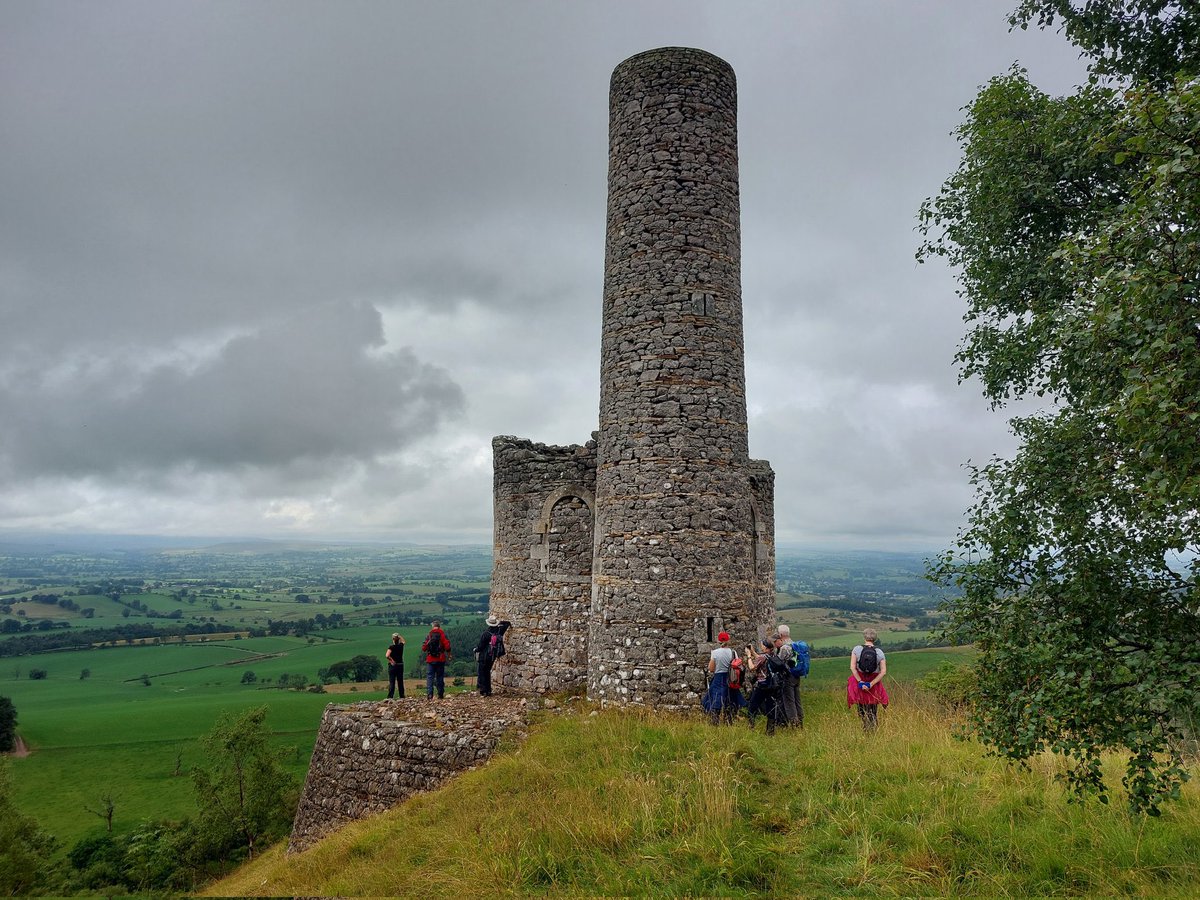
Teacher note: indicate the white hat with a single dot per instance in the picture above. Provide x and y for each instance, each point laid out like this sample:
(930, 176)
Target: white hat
(493, 620)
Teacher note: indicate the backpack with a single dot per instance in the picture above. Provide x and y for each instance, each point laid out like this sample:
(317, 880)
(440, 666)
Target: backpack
(772, 679)
(735, 674)
(868, 660)
(495, 647)
(801, 660)
(433, 643)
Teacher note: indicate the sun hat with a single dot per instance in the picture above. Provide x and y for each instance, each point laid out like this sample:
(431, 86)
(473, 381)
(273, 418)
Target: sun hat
(493, 620)
(395, 634)
(723, 636)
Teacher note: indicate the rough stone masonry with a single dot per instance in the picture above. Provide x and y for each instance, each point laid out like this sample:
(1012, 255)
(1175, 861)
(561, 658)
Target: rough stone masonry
(371, 756)
(620, 560)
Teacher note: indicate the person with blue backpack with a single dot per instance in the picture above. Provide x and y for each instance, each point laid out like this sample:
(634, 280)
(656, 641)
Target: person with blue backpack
(489, 649)
(794, 655)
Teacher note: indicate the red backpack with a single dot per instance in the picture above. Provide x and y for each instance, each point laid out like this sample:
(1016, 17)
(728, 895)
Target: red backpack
(736, 674)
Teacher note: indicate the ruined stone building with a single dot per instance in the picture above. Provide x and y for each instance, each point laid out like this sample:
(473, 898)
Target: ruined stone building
(620, 560)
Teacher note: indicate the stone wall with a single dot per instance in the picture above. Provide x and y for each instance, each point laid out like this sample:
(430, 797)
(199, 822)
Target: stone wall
(371, 756)
(542, 561)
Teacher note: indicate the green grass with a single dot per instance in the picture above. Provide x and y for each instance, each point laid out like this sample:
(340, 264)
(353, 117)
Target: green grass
(633, 803)
(111, 733)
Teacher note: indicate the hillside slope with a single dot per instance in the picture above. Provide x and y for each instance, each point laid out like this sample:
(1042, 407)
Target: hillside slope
(627, 802)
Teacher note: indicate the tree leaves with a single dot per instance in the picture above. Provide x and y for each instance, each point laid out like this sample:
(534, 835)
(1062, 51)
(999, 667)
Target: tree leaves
(1074, 223)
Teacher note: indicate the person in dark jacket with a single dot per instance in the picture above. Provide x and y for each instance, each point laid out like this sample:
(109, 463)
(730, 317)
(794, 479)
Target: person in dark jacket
(767, 671)
(395, 663)
(437, 651)
(489, 649)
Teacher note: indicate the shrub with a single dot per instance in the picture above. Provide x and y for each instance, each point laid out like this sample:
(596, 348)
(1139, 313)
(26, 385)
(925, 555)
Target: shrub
(954, 684)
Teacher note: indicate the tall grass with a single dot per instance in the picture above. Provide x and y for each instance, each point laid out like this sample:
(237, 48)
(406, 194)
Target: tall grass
(633, 803)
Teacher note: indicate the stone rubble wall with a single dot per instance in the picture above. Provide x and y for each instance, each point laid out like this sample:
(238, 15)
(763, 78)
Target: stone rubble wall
(370, 756)
(542, 561)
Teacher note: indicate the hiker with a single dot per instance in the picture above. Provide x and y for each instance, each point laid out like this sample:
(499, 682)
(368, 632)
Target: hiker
(716, 700)
(789, 691)
(766, 671)
(489, 649)
(864, 688)
(395, 663)
(737, 685)
(437, 650)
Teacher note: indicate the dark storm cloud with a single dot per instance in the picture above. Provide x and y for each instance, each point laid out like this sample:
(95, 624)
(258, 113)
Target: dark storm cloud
(310, 387)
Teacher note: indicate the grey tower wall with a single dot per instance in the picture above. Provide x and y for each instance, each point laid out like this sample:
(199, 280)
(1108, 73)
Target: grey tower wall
(620, 560)
(684, 522)
(543, 497)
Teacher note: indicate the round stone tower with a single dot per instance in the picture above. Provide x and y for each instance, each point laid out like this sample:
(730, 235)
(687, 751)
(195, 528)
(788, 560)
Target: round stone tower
(681, 534)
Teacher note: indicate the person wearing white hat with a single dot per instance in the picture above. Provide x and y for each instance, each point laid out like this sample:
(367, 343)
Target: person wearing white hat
(489, 649)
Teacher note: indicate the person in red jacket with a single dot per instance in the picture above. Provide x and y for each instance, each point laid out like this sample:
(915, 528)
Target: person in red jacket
(437, 652)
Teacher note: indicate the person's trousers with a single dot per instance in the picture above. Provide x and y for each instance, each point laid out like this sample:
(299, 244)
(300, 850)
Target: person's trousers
(766, 701)
(483, 673)
(869, 713)
(395, 679)
(435, 677)
(792, 710)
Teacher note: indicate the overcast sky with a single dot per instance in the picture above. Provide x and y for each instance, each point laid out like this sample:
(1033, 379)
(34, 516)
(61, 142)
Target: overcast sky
(283, 269)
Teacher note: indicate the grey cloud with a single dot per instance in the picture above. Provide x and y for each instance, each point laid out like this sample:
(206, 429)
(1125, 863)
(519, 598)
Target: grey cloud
(304, 388)
(201, 204)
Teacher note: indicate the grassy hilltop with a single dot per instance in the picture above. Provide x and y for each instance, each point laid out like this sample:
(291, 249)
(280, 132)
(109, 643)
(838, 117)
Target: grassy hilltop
(634, 803)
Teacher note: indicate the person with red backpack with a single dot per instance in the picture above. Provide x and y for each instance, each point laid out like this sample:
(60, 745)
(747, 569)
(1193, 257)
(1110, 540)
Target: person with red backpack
(489, 649)
(437, 650)
(717, 701)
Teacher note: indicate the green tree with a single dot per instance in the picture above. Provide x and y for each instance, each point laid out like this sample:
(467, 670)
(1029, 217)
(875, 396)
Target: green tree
(1074, 224)
(1152, 40)
(25, 866)
(244, 794)
(8, 725)
(365, 667)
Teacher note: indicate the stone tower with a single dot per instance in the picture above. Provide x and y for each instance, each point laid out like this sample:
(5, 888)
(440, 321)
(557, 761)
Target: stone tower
(679, 520)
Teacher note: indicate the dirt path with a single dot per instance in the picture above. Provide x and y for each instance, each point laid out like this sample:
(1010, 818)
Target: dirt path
(20, 750)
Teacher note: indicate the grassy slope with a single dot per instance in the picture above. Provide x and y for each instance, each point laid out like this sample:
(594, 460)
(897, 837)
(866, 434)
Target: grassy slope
(634, 803)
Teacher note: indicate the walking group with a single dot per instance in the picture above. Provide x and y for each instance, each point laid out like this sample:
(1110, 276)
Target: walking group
(765, 680)
(437, 653)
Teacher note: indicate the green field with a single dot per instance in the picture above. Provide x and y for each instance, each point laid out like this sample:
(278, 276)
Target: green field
(112, 733)
(817, 626)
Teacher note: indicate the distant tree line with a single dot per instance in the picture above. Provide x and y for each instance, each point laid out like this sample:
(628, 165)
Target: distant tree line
(301, 627)
(84, 638)
(906, 644)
